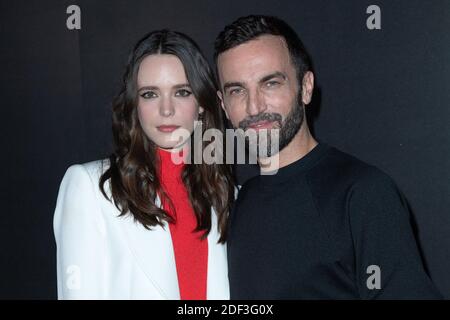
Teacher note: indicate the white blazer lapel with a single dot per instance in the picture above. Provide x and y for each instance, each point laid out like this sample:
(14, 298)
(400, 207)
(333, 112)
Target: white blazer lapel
(153, 251)
(217, 282)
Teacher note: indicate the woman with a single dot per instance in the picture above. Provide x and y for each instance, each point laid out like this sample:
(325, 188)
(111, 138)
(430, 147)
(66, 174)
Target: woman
(124, 227)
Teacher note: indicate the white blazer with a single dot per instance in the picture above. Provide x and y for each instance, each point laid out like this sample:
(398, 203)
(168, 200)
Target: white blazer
(103, 256)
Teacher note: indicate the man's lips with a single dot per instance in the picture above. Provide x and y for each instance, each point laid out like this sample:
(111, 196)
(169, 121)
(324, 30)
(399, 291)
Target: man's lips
(167, 128)
(261, 125)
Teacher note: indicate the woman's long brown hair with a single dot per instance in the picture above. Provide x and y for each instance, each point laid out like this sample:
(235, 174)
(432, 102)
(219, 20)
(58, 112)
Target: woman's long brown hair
(133, 166)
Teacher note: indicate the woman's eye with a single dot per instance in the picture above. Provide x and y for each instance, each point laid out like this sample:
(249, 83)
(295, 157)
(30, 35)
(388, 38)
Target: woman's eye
(183, 93)
(148, 95)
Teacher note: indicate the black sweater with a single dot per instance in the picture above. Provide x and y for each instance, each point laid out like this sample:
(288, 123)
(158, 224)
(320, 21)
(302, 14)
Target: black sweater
(312, 231)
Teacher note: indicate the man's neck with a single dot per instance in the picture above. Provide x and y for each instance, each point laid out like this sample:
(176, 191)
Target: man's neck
(300, 146)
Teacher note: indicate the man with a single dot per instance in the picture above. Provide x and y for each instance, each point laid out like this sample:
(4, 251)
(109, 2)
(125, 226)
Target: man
(326, 225)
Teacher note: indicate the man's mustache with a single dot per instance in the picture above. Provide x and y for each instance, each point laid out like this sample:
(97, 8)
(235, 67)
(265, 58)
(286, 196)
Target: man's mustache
(272, 117)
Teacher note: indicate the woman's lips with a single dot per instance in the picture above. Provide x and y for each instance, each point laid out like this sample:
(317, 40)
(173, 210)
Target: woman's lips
(167, 128)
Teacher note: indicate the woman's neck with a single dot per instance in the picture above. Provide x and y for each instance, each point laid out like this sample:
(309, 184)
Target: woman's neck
(171, 164)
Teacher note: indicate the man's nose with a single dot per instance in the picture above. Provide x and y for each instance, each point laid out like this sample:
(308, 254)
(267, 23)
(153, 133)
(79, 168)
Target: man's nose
(255, 103)
(166, 108)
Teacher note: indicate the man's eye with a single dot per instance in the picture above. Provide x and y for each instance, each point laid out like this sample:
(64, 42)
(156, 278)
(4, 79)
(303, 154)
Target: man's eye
(235, 91)
(183, 93)
(271, 84)
(148, 95)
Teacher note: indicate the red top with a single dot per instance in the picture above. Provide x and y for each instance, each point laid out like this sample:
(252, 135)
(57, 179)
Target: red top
(191, 253)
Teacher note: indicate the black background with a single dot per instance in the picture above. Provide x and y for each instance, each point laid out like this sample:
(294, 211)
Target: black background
(382, 95)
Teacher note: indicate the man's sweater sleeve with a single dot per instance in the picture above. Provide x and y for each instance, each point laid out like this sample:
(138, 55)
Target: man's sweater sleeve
(388, 264)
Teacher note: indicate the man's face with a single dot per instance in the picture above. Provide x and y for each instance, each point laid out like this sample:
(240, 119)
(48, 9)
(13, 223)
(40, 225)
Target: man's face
(259, 87)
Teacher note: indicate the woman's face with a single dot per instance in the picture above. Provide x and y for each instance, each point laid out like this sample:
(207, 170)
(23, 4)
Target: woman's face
(167, 107)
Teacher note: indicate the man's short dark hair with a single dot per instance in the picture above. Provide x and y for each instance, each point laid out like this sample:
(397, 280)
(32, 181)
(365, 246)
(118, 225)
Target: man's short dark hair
(251, 27)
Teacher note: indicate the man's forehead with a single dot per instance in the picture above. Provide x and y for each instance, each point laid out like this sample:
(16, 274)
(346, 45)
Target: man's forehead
(255, 59)
(265, 44)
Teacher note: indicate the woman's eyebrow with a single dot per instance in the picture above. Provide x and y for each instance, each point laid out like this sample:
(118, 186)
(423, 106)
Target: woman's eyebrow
(183, 85)
(147, 88)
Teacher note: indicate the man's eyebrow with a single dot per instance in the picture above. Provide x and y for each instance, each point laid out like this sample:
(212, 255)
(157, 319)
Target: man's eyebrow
(276, 74)
(228, 85)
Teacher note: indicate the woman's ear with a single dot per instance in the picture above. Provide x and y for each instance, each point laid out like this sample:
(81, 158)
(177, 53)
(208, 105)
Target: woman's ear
(201, 113)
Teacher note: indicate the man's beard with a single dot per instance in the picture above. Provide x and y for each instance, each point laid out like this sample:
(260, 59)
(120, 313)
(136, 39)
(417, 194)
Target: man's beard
(287, 129)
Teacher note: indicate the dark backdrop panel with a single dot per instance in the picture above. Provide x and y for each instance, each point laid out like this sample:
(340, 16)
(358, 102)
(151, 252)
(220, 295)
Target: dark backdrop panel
(382, 95)
(42, 129)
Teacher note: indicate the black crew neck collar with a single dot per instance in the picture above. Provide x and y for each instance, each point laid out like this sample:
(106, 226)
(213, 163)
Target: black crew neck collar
(294, 168)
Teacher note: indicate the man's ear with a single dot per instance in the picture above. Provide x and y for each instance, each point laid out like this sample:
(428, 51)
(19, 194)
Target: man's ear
(219, 94)
(307, 87)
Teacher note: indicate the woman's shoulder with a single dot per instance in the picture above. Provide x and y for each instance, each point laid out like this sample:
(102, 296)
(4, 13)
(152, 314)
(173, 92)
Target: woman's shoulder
(93, 169)
(84, 177)
(79, 201)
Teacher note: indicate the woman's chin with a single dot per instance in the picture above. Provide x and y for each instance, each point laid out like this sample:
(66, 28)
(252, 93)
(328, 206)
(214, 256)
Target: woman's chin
(172, 146)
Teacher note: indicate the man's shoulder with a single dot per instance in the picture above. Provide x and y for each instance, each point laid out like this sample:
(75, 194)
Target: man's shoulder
(340, 160)
(342, 168)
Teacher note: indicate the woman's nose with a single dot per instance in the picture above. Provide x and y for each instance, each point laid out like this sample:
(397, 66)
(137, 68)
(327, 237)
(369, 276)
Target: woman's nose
(166, 108)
